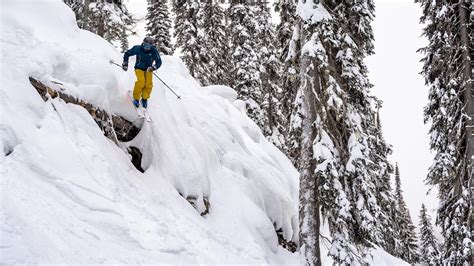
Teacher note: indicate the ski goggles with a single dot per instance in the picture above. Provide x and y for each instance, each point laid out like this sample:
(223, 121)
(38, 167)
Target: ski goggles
(147, 47)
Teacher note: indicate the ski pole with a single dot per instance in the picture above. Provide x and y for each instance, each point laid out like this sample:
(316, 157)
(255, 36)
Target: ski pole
(113, 63)
(179, 97)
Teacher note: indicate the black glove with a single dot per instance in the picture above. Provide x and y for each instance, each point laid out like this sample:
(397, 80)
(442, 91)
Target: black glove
(125, 66)
(151, 69)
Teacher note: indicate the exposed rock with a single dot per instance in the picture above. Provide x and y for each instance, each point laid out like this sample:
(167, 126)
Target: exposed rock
(207, 206)
(124, 129)
(289, 245)
(193, 201)
(136, 158)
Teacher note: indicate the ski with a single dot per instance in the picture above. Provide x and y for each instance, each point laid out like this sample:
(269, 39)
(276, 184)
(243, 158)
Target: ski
(138, 110)
(141, 112)
(147, 116)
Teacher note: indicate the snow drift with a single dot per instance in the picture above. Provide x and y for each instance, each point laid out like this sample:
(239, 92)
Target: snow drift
(70, 195)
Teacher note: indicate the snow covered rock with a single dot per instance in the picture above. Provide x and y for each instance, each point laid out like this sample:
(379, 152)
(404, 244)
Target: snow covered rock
(114, 127)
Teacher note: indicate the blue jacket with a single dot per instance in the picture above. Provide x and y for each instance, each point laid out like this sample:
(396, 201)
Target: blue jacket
(144, 59)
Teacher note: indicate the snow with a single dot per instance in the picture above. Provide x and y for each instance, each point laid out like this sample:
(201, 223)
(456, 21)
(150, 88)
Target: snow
(312, 12)
(314, 48)
(221, 91)
(355, 150)
(379, 257)
(70, 195)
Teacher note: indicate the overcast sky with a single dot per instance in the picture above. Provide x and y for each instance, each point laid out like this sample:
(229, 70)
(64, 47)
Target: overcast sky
(394, 72)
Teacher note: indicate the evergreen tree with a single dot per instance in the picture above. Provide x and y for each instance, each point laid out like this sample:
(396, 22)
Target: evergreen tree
(428, 243)
(288, 49)
(82, 12)
(159, 25)
(187, 35)
(341, 162)
(246, 68)
(406, 248)
(287, 11)
(407, 235)
(321, 165)
(124, 41)
(270, 73)
(112, 21)
(292, 99)
(215, 43)
(450, 112)
(385, 235)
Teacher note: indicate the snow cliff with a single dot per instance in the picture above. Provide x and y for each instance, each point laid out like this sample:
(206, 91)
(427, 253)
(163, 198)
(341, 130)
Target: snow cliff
(69, 194)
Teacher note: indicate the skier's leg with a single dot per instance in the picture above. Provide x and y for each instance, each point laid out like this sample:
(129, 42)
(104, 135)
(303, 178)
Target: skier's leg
(148, 85)
(139, 84)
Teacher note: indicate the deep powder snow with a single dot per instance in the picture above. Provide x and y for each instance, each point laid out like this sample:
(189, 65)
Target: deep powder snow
(70, 195)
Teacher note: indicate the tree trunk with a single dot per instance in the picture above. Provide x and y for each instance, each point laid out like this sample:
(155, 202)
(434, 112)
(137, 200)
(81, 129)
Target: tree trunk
(309, 194)
(468, 105)
(101, 26)
(85, 16)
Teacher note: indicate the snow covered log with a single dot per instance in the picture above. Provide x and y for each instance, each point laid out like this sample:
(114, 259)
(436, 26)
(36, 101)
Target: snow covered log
(114, 127)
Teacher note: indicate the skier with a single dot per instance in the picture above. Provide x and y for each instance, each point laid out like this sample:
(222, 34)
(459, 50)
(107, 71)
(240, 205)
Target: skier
(147, 60)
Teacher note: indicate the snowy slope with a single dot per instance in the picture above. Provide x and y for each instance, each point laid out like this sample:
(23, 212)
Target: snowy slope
(70, 195)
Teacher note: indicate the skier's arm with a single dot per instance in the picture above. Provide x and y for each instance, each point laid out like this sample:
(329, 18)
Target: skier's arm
(157, 60)
(133, 51)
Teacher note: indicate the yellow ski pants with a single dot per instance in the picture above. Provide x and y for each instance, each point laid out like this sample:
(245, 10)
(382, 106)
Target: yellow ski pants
(143, 85)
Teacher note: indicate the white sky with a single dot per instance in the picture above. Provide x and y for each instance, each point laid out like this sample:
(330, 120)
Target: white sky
(138, 9)
(394, 72)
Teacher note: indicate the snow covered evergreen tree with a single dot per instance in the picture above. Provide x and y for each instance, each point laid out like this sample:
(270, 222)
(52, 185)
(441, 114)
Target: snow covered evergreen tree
(341, 162)
(409, 244)
(289, 80)
(270, 74)
(159, 25)
(428, 243)
(187, 34)
(321, 164)
(407, 247)
(448, 71)
(124, 41)
(110, 20)
(385, 235)
(215, 43)
(292, 105)
(82, 12)
(246, 64)
(287, 11)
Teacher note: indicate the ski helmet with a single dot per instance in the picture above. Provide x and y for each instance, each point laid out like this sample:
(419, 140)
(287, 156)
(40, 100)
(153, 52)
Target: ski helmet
(149, 40)
(148, 44)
